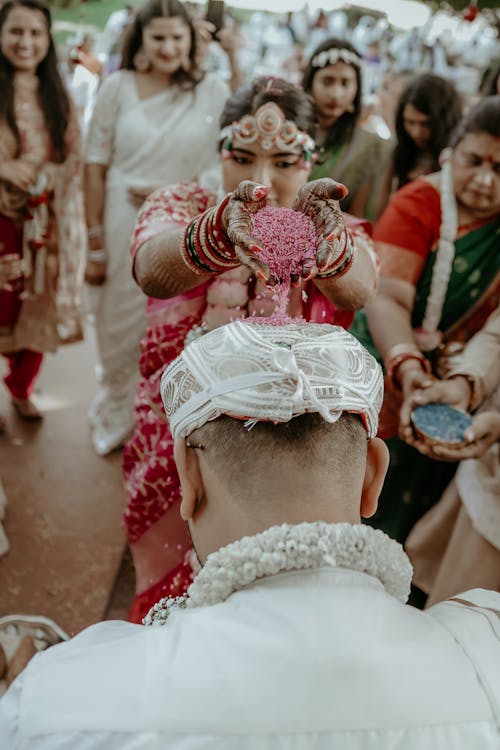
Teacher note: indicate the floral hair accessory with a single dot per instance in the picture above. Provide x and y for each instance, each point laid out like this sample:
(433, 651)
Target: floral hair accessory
(271, 129)
(257, 372)
(333, 55)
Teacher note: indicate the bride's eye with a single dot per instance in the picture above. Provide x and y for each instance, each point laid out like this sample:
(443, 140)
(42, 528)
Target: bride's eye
(241, 159)
(287, 163)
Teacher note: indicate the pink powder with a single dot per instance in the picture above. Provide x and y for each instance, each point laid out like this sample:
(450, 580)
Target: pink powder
(287, 238)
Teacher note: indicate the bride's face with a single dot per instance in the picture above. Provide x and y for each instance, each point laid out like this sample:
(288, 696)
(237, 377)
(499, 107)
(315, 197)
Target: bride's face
(282, 170)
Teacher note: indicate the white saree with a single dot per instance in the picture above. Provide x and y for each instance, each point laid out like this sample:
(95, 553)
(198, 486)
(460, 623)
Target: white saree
(167, 138)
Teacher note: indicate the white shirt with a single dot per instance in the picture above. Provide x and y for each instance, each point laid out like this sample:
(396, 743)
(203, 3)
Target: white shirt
(317, 659)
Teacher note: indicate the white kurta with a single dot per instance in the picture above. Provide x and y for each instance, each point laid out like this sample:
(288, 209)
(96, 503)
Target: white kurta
(167, 138)
(317, 659)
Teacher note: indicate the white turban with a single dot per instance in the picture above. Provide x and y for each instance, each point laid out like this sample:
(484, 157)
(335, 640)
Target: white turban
(259, 372)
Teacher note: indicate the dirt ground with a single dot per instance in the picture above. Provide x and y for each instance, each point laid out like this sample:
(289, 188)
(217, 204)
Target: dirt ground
(67, 557)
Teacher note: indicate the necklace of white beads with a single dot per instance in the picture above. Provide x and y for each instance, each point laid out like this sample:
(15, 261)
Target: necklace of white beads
(304, 546)
(445, 255)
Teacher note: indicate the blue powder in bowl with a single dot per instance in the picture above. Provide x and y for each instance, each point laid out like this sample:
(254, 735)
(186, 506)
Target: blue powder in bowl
(441, 423)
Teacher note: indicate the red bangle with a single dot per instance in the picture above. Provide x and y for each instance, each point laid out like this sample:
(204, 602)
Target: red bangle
(205, 248)
(344, 261)
(217, 236)
(393, 365)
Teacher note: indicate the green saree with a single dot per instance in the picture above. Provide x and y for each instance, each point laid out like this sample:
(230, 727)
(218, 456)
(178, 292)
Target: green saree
(363, 160)
(414, 482)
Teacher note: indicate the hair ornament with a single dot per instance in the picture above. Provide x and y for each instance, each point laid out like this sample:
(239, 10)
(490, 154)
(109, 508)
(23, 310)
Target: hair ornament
(333, 55)
(270, 128)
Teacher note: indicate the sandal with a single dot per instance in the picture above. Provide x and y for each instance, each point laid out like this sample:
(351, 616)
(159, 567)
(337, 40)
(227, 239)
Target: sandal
(21, 637)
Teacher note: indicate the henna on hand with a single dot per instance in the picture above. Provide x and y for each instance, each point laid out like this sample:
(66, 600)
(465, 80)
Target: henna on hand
(248, 198)
(319, 201)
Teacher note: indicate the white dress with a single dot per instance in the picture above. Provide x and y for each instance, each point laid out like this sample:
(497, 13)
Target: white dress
(310, 659)
(167, 138)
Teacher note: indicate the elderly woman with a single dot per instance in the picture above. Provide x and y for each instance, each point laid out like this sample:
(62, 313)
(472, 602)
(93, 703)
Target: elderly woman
(196, 252)
(438, 246)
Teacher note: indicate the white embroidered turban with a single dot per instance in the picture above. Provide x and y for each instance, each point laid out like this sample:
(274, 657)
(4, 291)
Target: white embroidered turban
(257, 372)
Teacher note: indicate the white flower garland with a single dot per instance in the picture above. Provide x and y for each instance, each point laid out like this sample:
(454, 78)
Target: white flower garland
(305, 546)
(445, 253)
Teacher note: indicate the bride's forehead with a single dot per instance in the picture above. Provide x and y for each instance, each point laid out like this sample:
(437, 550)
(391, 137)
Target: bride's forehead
(257, 148)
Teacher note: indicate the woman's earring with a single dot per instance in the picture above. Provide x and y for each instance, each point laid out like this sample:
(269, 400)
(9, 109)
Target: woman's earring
(142, 62)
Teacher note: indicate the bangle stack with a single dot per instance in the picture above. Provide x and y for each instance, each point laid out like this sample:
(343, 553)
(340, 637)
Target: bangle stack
(343, 261)
(205, 247)
(94, 232)
(403, 353)
(97, 256)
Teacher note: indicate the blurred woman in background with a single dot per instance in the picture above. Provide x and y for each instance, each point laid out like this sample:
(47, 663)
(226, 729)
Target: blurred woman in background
(41, 200)
(155, 122)
(348, 152)
(428, 110)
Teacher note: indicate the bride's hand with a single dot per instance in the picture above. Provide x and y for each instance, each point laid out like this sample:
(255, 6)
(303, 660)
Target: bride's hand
(319, 200)
(247, 199)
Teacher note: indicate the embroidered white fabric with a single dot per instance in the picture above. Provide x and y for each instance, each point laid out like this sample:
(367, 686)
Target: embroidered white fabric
(259, 372)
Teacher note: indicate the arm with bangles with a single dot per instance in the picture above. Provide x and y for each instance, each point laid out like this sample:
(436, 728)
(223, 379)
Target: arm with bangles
(158, 266)
(404, 236)
(474, 379)
(355, 288)
(95, 191)
(164, 269)
(389, 319)
(159, 240)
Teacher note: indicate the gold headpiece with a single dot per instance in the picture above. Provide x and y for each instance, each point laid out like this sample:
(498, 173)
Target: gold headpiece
(270, 128)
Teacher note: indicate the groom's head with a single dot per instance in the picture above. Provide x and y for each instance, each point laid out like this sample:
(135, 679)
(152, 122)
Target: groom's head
(274, 425)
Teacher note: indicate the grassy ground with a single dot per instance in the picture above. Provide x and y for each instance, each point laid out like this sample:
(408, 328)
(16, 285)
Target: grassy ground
(81, 17)
(95, 13)
(92, 13)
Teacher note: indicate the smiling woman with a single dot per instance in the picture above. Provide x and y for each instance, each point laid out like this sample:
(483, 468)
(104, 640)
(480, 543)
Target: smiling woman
(155, 122)
(41, 208)
(25, 39)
